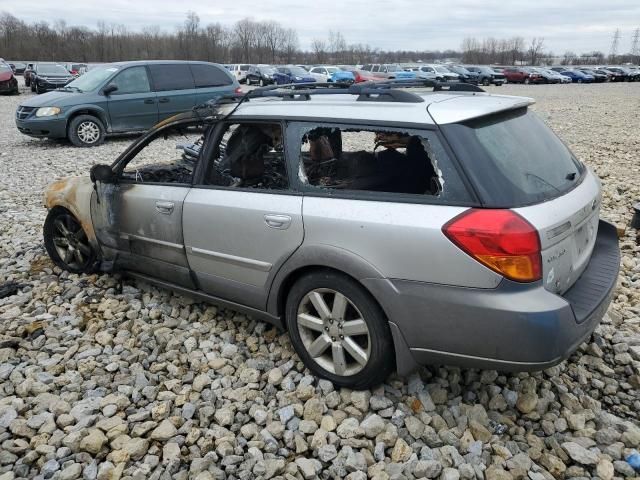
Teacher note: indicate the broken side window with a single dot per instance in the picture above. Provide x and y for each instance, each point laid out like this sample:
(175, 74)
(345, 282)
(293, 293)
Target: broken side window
(380, 160)
(169, 158)
(249, 155)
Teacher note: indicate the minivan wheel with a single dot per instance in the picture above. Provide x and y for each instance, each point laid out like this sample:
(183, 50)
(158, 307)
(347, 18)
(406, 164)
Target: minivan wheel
(66, 242)
(86, 131)
(339, 331)
(486, 82)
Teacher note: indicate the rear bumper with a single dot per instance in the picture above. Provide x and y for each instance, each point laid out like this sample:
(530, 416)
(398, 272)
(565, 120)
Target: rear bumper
(518, 327)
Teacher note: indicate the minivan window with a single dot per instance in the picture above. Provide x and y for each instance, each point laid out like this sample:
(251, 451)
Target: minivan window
(132, 80)
(171, 76)
(94, 78)
(209, 76)
(514, 158)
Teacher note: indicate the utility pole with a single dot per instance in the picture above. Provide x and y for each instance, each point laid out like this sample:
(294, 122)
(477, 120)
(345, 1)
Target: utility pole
(614, 46)
(635, 45)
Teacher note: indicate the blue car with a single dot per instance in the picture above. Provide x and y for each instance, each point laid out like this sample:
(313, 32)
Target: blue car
(342, 76)
(292, 74)
(577, 76)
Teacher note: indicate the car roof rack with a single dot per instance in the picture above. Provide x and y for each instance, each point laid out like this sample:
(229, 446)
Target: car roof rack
(383, 91)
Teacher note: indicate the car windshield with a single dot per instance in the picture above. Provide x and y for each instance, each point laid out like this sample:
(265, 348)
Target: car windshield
(301, 72)
(52, 69)
(5, 68)
(461, 70)
(515, 157)
(267, 70)
(332, 69)
(441, 70)
(93, 78)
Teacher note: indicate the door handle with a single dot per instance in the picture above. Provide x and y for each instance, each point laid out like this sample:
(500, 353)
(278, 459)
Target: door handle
(165, 207)
(280, 222)
(149, 100)
(163, 100)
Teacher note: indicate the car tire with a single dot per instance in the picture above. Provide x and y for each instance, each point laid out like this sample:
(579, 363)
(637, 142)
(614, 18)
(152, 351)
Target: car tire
(579, 80)
(86, 131)
(261, 83)
(66, 242)
(350, 346)
(486, 82)
(526, 81)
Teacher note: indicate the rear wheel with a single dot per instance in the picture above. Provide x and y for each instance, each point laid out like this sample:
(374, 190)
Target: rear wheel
(66, 242)
(526, 81)
(486, 82)
(86, 131)
(339, 331)
(261, 83)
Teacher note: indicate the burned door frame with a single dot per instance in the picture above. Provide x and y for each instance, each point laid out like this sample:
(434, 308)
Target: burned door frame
(129, 238)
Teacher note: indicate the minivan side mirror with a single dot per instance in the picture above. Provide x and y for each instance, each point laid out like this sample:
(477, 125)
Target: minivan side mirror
(102, 173)
(109, 89)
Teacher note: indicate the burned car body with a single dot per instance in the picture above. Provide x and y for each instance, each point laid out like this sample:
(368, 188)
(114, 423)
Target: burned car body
(357, 234)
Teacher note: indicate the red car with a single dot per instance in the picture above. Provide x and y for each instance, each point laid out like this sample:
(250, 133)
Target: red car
(8, 82)
(520, 75)
(365, 76)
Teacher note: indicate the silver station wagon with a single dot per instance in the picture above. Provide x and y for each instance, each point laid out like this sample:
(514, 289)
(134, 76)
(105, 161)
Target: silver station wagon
(382, 227)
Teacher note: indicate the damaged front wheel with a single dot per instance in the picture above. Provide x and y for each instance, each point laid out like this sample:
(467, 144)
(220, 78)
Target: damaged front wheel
(67, 243)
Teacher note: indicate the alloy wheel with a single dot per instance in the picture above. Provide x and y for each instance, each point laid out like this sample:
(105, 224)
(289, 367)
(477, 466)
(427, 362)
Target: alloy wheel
(333, 331)
(88, 132)
(70, 242)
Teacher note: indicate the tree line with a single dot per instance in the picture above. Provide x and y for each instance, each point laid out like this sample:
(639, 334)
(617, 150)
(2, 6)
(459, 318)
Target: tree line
(246, 41)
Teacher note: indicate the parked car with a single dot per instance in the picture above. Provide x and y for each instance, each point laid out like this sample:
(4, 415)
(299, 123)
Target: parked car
(577, 76)
(239, 70)
(598, 77)
(388, 71)
(27, 74)
(542, 75)
(361, 76)
(557, 75)
(122, 97)
(292, 74)
(466, 76)
(487, 75)
(76, 69)
(334, 223)
(631, 75)
(331, 73)
(443, 72)
(49, 76)
(260, 75)
(8, 81)
(521, 75)
(424, 73)
(19, 68)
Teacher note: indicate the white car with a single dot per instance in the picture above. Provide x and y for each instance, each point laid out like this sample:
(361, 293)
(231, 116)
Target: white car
(239, 70)
(322, 73)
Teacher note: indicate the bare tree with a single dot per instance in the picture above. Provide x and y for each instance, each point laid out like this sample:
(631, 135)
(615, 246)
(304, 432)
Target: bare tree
(535, 50)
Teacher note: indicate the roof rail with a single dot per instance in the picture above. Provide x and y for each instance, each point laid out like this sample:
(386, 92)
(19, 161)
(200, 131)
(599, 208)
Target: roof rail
(383, 91)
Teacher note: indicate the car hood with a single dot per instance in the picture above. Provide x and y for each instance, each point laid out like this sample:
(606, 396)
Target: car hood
(4, 76)
(54, 99)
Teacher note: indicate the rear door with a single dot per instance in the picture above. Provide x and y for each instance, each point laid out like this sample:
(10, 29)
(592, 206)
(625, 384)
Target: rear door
(210, 81)
(239, 231)
(133, 105)
(174, 87)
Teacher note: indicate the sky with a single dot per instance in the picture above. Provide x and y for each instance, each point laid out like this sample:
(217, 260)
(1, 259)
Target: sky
(576, 25)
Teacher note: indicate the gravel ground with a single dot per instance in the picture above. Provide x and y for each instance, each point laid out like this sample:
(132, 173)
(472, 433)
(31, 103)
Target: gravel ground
(98, 381)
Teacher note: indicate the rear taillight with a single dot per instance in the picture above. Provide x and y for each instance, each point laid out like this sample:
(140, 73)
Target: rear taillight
(238, 90)
(500, 239)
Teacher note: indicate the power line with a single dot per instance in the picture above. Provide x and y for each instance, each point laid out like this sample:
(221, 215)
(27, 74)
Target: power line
(635, 43)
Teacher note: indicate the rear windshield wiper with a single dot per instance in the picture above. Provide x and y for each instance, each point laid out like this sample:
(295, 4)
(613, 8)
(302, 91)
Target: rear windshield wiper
(571, 176)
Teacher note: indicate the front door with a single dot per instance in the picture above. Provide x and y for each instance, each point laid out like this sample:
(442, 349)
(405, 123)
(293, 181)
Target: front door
(242, 221)
(133, 105)
(138, 220)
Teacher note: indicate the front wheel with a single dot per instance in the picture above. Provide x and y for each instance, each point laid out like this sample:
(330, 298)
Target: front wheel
(486, 82)
(66, 242)
(261, 83)
(339, 331)
(86, 131)
(526, 81)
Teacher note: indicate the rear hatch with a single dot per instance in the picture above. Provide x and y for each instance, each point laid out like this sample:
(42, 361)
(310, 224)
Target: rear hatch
(515, 161)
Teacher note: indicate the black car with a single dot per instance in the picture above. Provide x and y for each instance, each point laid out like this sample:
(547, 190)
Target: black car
(49, 76)
(18, 68)
(619, 75)
(487, 75)
(466, 76)
(260, 75)
(597, 77)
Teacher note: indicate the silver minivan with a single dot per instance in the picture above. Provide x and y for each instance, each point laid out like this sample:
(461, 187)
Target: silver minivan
(383, 228)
